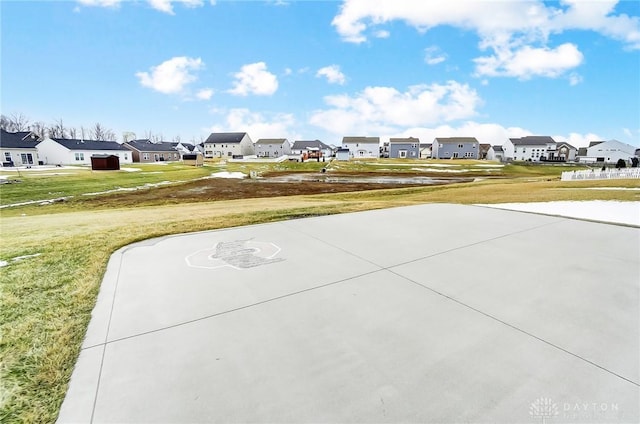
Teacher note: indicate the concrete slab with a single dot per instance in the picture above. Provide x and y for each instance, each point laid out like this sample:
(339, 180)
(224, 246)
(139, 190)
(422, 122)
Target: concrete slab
(432, 313)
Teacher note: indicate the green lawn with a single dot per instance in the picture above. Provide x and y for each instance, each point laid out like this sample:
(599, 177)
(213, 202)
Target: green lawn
(46, 300)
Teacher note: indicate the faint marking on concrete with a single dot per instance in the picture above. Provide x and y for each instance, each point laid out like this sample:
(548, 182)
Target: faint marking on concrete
(238, 254)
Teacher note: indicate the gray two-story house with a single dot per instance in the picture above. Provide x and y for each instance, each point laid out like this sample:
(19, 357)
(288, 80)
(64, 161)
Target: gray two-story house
(455, 148)
(230, 144)
(404, 148)
(272, 147)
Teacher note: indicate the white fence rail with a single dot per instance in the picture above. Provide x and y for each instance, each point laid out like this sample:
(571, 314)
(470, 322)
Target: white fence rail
(609, 174)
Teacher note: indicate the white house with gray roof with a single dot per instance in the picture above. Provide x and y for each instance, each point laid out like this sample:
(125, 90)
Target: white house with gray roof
(64, 151)
(228, 145)
(362, 147)
(272, 147)
(455, 148)
(496, 153)
(531, 148)
(19, 148)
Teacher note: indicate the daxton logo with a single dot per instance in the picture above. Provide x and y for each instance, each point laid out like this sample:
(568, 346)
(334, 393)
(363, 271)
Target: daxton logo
(238, 254)
(543, 408)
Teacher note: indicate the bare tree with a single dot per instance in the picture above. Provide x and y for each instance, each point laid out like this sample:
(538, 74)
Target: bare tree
(39, 128)
(5, 123)
(20, 122)
(15, 122)
(57, 129)
(98, 132)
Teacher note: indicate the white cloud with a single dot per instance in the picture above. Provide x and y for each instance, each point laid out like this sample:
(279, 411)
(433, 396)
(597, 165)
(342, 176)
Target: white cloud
(166, 6)
(100, 3)
(517, 32)
(577, 140)
(204, 94)
(258, 125)
(332, 73)
(527, 62)
(385, 109)
(382, 34)
(288, 71)
(171, 76)
(433, 56)
(254, 79)
(627, 132)
(491, 133)
(575, 79)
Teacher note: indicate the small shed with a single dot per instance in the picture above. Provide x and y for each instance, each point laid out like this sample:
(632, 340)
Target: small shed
(342, 154)
(193, 159)
(105, 162)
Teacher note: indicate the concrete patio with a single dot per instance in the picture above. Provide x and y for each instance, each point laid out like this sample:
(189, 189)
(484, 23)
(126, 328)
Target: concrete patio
(432, 313)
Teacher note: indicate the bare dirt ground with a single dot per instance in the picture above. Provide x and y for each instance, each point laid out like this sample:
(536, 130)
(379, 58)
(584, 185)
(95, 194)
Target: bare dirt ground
(229, 189)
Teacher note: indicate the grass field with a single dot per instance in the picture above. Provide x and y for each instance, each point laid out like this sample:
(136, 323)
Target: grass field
(46, 299)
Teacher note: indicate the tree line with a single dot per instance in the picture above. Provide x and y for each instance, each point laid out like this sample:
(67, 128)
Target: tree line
(58, 129)
(17, 122)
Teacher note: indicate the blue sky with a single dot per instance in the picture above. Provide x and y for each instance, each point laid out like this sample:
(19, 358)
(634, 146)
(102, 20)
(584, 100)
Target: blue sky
(327, 69)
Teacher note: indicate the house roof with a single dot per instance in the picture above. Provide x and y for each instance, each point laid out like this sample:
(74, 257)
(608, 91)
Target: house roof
(426, 145)
(497, 149)
(456, 140)
(593, 143)
(148, 146)
(307, 144)
(404, 140)
(15, 141)
(369, 140)
(532, 140)
(75, 144)
(227, 137)
(278, 141)
(563, 143)
(485, 146)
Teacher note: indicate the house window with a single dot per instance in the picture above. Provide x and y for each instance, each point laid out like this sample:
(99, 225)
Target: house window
(440, 145)
(229, 154)
(126, 156)
(460, 146)
(414, 145)
(145, 156)
(455, 155)
(7, 157)
(468, 155)
(79, 156)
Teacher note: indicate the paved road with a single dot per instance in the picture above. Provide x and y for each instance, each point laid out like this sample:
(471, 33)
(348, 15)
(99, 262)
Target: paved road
(432, 313)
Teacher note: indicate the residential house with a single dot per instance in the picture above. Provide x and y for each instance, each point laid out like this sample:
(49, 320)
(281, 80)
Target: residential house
(145, 151)
(404, 148)
(455, 148)
(362, 147)
(229, 144)
(425, 150)
(609, 152)
(564, 152)
(64, 151)
(531, 148)
(384, 150)
(18, 149)
(272, 147)
(496, 153)
(484, 149)
(308, 147)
